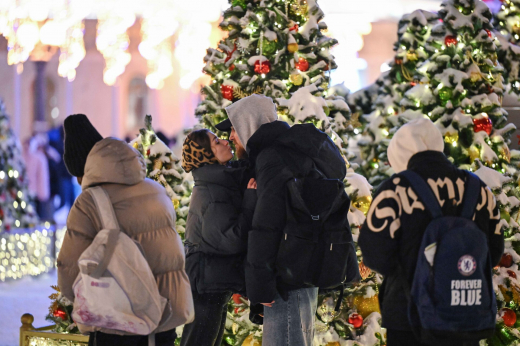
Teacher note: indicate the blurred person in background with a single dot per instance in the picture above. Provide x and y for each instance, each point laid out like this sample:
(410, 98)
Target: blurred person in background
(37, 166)
(60, 179)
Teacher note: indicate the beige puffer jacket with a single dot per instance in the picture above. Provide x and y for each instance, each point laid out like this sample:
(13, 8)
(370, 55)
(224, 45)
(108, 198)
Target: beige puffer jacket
(145, 213)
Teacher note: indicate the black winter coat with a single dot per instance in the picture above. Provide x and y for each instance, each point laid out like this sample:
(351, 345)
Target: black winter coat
(396, 222)
(278, 153)
(217, 226)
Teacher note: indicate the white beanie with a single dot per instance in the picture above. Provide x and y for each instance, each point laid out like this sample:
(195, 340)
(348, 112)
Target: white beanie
(416, 136)
(248, 114)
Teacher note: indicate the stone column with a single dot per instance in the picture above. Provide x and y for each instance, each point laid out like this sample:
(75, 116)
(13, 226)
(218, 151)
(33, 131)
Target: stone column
(40, 91)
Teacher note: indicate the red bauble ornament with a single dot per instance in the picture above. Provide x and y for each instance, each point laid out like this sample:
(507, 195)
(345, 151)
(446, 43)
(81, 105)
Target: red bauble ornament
(236, 299)
(506, 260)
(326, 68)
(7, 227)
(489, 33)
(302, 65)
(294, 28)
(483, 124)
(236, 311)
(450, 40)
(59, 312)
(511, 274)
(264, 67)
(148, 152)
(232, 67)
(356, 320)
(227, 92)
(398, 61)
(413, 83)
(508, 316)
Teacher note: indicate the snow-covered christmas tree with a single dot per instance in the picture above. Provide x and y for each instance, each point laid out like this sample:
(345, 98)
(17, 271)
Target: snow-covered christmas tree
(277, 48)
(413, 31)
(460, 87)
(507, 30)
(163, 167)
(16, 202)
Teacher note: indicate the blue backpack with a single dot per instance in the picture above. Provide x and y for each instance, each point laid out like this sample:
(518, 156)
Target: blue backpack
(451, 299)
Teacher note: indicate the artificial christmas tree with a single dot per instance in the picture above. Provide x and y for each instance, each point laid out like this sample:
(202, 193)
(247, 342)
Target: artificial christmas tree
(277, 48)
(163, 167)
(507, 30)
(459, 87)
(16, 203)
(414, 29)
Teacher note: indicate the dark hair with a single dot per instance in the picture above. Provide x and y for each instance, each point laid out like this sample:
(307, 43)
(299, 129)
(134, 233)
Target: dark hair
(201, 137)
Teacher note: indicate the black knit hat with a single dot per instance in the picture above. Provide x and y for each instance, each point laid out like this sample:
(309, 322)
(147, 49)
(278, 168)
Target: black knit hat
(80, 138)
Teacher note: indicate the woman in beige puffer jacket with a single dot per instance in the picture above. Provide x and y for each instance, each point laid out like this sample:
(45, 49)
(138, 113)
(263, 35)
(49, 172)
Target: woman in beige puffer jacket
(144, 212)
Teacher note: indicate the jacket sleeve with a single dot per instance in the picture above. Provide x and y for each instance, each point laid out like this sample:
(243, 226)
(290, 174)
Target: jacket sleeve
(495, 229)
(268, 223)
(225, 228)
(78, 237)
(378, 238)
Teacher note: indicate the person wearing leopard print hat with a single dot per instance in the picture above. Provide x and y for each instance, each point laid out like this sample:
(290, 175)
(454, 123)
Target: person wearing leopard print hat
(217, 226)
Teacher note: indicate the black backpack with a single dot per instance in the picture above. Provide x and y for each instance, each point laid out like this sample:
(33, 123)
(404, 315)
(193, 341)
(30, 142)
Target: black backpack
(317, 249)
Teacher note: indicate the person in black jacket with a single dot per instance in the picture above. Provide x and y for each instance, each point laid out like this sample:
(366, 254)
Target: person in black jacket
(218, 222)
(397, 219)
(278, 154)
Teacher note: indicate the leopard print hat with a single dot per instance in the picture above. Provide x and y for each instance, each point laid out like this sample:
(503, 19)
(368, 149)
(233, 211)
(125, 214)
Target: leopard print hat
(195, 156)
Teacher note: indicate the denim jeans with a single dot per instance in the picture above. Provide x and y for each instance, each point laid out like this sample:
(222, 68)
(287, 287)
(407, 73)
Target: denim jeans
(291, 322)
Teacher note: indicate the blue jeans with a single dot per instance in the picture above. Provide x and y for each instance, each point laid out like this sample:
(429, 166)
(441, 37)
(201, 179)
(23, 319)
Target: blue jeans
(291, 322)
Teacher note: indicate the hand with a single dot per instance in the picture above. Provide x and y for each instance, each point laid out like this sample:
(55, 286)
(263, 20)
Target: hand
(252, 184)
(269, 305)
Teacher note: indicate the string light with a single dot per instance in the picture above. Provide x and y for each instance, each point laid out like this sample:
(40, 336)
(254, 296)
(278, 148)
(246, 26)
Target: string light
(28, 252)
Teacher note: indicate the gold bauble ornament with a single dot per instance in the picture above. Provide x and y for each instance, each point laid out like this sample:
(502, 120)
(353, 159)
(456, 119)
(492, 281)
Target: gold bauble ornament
(135, 145)
(505, 153)
(412, 56)
(157, 164)
(296, 78)
(451, 137)
(366, 306)
(292, 47)
(176, 203)
(474, 153)
(251, 341)
(363, 203)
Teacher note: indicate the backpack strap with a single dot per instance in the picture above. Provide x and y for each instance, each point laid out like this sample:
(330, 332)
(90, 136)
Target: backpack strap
(109, 221)
(424, 192)
(471, 196)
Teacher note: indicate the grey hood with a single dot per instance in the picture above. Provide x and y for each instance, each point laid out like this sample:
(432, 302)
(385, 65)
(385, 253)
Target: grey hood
(248, 114)
(111, 160)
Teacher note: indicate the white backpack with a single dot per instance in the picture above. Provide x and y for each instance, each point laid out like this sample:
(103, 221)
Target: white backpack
(115, 288)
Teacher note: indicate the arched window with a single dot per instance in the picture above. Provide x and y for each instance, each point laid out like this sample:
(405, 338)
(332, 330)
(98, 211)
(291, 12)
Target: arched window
(137, 103)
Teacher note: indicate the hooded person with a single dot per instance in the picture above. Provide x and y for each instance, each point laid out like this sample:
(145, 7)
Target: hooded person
(278, 153)
(144, 212)
(397, 219)
(219, 219)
